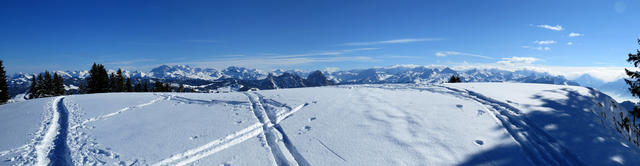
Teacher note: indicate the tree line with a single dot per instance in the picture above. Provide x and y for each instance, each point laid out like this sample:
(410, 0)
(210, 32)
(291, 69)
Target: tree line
(99, 81)
(46, 85)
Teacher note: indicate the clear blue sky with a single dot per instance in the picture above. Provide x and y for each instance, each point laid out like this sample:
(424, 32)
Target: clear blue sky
(305, 34)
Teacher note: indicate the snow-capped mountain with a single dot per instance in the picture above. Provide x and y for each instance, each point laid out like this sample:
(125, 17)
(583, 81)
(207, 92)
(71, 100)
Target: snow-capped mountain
(423, 74)
(206, 79)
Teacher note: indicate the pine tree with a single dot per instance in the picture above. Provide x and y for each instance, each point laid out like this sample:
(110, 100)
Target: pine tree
(145, 88)
(48, 85)
(33, 91)
(158, 87)
(127, 86)
(634, 81)
(98, 81)
(119, 82)
(167, 87)
(454, 79)
(4, 87)
(83, 88)
(58, 85)
(40, 87)
(181, 88)
(138, 87)
(113, 85)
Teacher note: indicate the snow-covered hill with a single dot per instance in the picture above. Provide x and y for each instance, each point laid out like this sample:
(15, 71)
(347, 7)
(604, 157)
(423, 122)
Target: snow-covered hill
(381, 124)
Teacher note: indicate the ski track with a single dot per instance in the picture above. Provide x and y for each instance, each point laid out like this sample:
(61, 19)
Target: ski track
(284, 152)
(60, 154)
(212, 147)
(540, 147)
(106, 116)
(46, 144)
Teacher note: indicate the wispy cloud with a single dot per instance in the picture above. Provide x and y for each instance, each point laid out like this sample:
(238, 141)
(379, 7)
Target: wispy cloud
(569, 43)
(539, 48)
(129, 62)
(573, 34)
(395, 41)
(448, 53)
(273, 62)
(518, 60)
(550, 27)
(545, 42)
(325, 53)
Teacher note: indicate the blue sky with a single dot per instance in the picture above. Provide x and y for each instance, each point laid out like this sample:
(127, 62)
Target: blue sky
(304, 34)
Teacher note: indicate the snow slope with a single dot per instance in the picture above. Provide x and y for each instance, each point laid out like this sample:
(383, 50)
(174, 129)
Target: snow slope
(383, 124)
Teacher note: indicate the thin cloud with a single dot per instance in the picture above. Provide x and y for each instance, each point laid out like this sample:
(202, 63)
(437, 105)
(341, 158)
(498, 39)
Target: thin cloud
(545, 42)
(539, 48)
(569, 43)
(273, 62)
(573, 34)
(448, 53)
(550, 27)
(326, 53)
(129, 62)
(395, 41)
(518, 60)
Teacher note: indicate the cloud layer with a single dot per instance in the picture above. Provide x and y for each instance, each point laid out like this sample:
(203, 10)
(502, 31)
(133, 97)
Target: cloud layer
(395, 41)
(518, 60)
(448, 53)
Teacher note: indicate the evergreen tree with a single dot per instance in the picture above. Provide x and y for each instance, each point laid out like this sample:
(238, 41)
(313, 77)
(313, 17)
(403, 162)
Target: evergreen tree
(113, 85)
(58, 83)
(158, 87)
(138, 87)
(98, 81)
(454, 79)
(83, 88)
(4, 87)
(180, 88)
(145, 88)
(634, 81)
(33, 91)
(40, 87)
(119, 82)
(127, 86)
(48, 85)
(167, 87)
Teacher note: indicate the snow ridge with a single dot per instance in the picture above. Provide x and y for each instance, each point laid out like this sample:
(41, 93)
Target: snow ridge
(541, 148)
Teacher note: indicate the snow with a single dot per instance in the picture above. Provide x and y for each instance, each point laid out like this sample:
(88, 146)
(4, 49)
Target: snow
(382, 124)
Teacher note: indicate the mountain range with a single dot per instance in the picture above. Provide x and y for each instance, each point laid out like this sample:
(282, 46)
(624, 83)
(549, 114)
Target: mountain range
(240, 78)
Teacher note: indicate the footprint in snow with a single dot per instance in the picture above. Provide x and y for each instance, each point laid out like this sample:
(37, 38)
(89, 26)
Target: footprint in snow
(480, 112)
(312, 119)
(479, 142)
(193, 137)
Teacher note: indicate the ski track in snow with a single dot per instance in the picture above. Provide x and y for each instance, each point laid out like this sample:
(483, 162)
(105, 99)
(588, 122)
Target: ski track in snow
(46, 144)
(106, 116)
(271, 134)
(540, 147)
(212, 147)
(60, 154)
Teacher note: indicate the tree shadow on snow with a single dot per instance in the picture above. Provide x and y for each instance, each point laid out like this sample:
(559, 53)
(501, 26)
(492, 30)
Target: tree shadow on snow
(595, 143)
